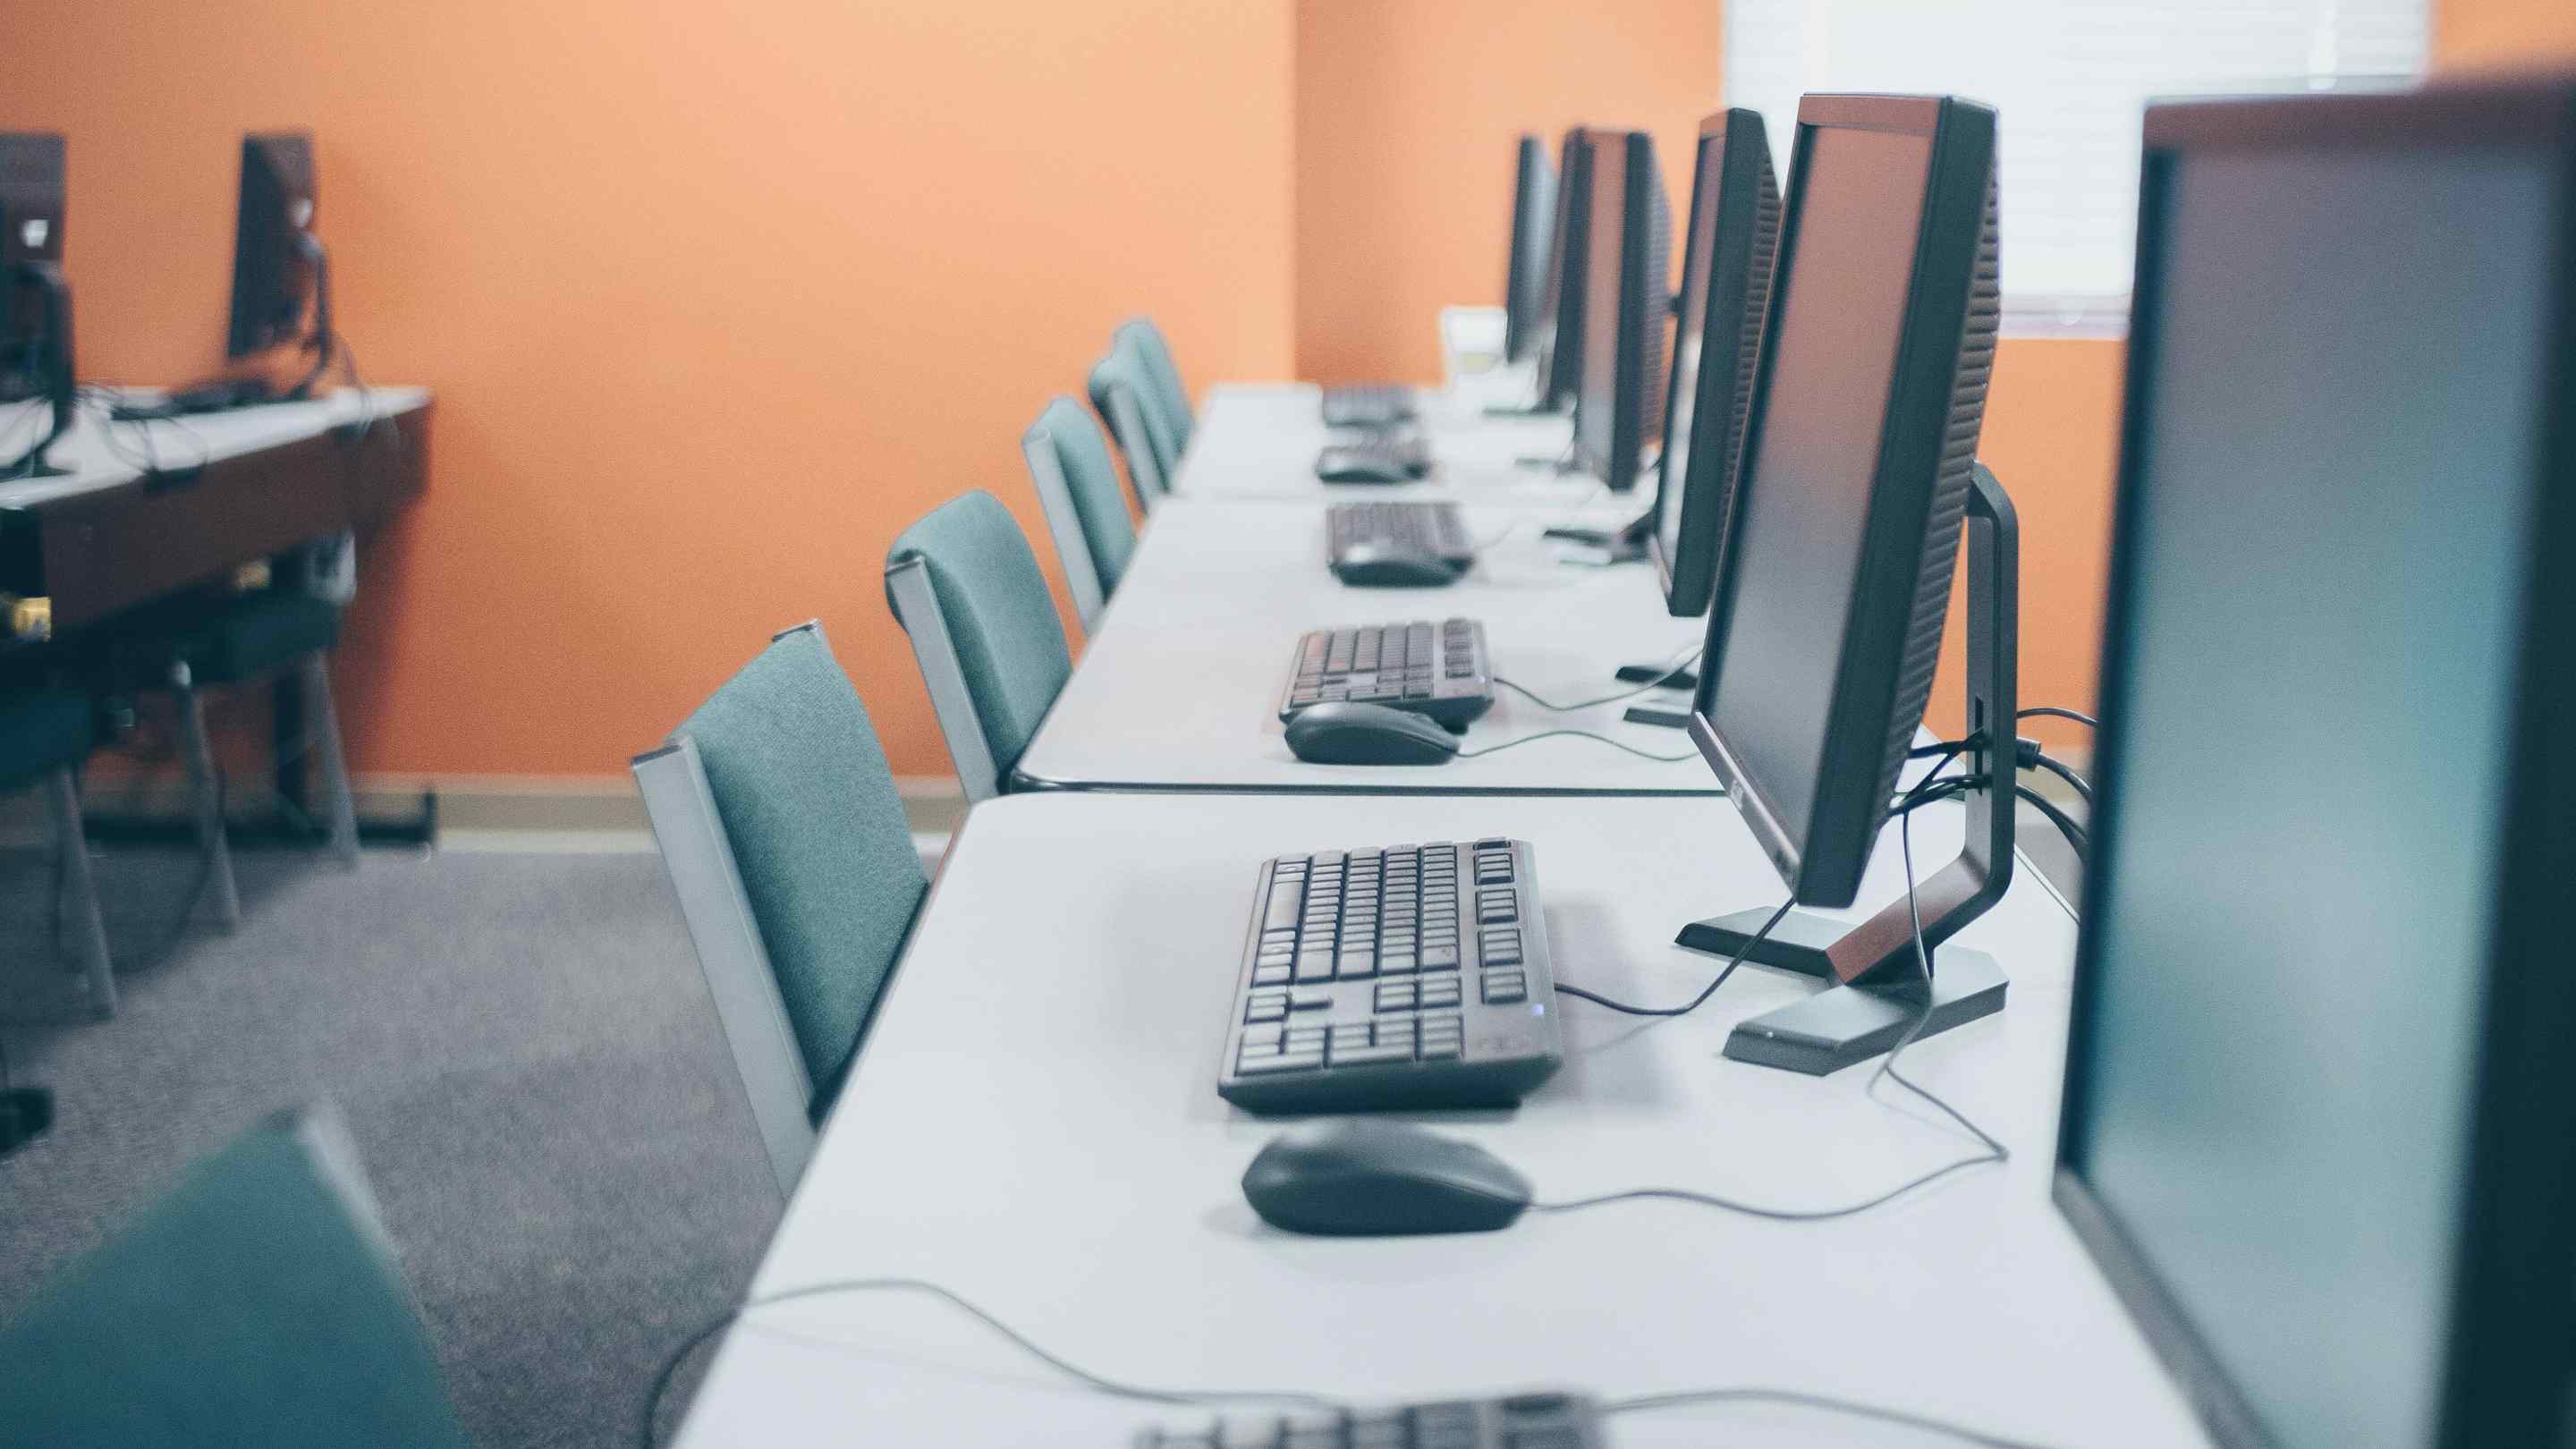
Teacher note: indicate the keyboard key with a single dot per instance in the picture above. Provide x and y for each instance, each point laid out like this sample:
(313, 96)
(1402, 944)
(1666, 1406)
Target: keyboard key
(1285, 899)
(1440, 958)
(1277, 975)
(1317, 966)
(1306, 999)
(1269, 1036)
(1343, 1056)
(1286, 1062)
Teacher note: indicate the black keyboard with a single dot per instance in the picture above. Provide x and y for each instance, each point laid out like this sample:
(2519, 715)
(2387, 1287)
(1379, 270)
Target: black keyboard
(1368, 405)
(1435, 530)
(1384, 458)
(1516, 1421)
(1438, 670)
(1409, 976)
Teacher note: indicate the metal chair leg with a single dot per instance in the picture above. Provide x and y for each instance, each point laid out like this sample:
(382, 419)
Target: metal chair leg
(62, 801)
(208, 798)
(335, 764)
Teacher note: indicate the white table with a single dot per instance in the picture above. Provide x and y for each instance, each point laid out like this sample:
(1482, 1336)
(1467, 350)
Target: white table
(1259, 440)
(97, 454)
(1179, 685)
(1033, 1123)
(145, 509)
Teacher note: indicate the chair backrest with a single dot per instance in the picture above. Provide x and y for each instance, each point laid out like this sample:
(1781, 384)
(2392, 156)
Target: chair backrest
(967, 590)
(258, 1302)
(787, 846)
(1078, 486)
(1124, 395)
(1156, 352)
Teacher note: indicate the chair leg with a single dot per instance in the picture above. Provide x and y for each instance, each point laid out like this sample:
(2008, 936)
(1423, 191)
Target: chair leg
(335, 763)
(204, 790)
(62, 800)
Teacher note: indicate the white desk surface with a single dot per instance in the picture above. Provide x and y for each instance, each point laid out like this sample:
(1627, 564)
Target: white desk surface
(1258, 440)
(1033, 1123)
(97, 453)
(1179, 685)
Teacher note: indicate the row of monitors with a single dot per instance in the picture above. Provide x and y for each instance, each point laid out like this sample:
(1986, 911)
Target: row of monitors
(2320, 1113)
(277, 262)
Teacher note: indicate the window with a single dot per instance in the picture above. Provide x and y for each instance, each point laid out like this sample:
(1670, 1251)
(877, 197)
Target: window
(2069, 80)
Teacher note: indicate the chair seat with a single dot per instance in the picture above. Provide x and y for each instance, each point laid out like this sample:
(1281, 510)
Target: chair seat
(41, 732)
(259, 634)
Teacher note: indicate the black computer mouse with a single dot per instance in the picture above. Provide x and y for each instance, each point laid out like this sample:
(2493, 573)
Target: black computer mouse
(1386, 566)
(1343, 733)
(1360, 1177)
(1338, 464)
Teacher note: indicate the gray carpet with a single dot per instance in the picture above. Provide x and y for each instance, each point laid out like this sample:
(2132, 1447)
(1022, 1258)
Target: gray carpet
(522, 1048)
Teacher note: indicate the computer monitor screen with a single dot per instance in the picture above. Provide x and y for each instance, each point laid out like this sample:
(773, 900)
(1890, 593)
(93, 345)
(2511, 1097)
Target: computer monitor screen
(1867, 403)
(2348, 386)
(273, 269)
(31, 236)
(1560, 335)
(1627, 307)
(1730, 243)
(1525, 277)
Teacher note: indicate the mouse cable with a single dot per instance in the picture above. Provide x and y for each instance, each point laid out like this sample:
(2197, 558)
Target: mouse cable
(1824, 1403)
(1581, 735)
(2051, 711)
(1095, 1382)
(1212, 1398)
(1995, 1151)
(1679, 665)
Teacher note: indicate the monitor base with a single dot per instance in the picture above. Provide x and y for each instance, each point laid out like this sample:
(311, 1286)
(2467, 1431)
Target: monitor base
(1844, 1026)
(1665, 675)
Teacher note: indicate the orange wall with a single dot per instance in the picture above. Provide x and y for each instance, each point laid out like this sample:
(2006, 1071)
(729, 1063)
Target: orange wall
(2488, 33)
(716, 298)
(1404, 164)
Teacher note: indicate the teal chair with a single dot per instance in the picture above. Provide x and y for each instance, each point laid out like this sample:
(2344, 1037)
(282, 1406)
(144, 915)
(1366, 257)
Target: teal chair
(1124, 392)
(257, 1304)
(243, 641)
(966, 588)
(1078, 486)
(787, 846)
(45, 735)
(1147, 339)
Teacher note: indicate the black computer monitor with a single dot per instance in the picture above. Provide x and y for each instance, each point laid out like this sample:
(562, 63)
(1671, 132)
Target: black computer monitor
(278, 263)
(36, 355)
(1626, 285)
(1859, 467)
(1525, 277)
(1560, 320)
(1730, 244)
(2320, 1114)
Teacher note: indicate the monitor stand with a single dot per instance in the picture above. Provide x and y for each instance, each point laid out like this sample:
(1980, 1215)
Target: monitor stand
(1878, 989)
(61, 381)
(1624, 544)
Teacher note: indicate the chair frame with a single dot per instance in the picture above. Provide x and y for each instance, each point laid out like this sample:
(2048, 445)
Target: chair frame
(916, 608)
(61, 789)
(1144, 470)
(740, 976)
(1064, 523)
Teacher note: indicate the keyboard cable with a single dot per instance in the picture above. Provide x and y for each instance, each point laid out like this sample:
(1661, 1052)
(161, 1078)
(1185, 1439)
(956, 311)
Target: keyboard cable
(1679, 665)
(1994, 1151)
(1521, 520)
